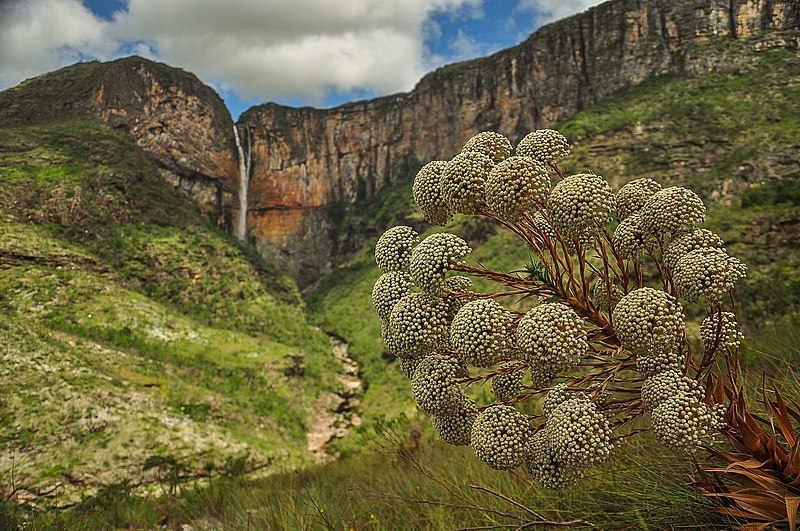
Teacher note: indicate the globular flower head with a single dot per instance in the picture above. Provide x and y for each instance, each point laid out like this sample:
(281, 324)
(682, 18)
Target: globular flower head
(427, 193)
(604, 298)
(579, 433)
(409, 365)
(393, 250)
(463, 181)
(500, 437)
(544, 466)
(551, 339)
(720, 331)
(579, 203)
(631, 239)
(434, 387)
(492, 144)
(458, 291)
(632, 197)
(516, 185)
(481, 332)
(507, 385)
(455, 428)
(707, 272)
(389, 340)
(658, 361)
(558, 395)
(388, 290)
(673, 210)
(649, 322)
(546, 146)
(418, 325)
(433, 257)
(682, 422)
(687, 242)
(663, 385)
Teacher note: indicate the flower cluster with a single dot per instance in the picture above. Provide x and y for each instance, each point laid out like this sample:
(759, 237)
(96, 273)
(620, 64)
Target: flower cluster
(507, 383)
(605, 299)
(433, 257)
(682, 422)
(649, 322)
(551, 339)
(544, 145)
(545, 468)
(632, 197)
(671, 211)
(631, 238)
(463, 181)
(456, 427)
(492, 144)
(418, 325)
(438, 327)
(579, 204)
(576, 435)
(393, 250)
(500, 437)
(428, 194)
(481, 332)
(579, 433)
(720, 331)
(707, 272)
(688, 242)
(434, 387)
(388, 290)
(665, 384)
(516, 185)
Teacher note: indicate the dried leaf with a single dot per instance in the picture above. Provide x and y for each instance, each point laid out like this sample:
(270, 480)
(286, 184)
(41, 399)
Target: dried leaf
(792, 503)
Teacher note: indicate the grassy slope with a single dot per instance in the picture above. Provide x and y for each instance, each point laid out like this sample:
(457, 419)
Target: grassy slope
(130, 326)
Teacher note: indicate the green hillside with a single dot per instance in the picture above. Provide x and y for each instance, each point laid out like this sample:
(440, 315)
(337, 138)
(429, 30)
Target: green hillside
(132, 329)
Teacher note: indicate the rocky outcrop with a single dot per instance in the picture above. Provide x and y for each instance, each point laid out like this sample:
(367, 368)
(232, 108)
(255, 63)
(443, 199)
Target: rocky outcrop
(306, 160)
(182, 123)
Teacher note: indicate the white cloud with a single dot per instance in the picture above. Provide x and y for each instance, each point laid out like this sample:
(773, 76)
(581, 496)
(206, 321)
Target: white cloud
(261, 49)
(549, 10)
(41, 35)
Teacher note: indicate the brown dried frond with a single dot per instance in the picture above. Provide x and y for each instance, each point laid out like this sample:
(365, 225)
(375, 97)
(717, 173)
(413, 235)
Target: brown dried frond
(759, 480)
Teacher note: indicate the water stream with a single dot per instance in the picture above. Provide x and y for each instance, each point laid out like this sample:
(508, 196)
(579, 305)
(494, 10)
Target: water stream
(244, 182)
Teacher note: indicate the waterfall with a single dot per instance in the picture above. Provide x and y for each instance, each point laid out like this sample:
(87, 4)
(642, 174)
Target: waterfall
(244, 182)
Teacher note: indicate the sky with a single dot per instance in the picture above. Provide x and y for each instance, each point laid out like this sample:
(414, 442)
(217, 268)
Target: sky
(295, 52)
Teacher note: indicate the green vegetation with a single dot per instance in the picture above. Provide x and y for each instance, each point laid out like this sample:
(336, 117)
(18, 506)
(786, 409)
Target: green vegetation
(131, 327)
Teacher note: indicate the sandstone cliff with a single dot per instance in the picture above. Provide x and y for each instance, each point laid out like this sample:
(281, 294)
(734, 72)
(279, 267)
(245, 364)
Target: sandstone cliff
(305, 159)
(182, 123)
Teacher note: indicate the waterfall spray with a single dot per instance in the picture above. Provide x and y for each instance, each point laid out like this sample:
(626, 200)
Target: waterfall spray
(244, 181)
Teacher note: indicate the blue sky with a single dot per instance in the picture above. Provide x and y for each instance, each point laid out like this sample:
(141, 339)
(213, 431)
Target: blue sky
(296, 52)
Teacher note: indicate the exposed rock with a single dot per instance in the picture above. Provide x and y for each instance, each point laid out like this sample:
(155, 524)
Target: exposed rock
(182, 123)
(305, 159)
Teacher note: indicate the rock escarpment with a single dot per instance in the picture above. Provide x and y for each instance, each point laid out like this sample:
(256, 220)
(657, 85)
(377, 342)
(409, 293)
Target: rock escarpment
(305, 160)
(182, 123)
(304, 163)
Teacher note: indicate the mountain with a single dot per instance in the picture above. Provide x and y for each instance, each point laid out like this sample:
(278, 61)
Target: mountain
(182, 123)
(306, 164)
(306, 161)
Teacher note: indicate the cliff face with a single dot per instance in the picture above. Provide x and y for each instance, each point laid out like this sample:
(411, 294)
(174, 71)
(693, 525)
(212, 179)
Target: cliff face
(305, 160)
(182, 123)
